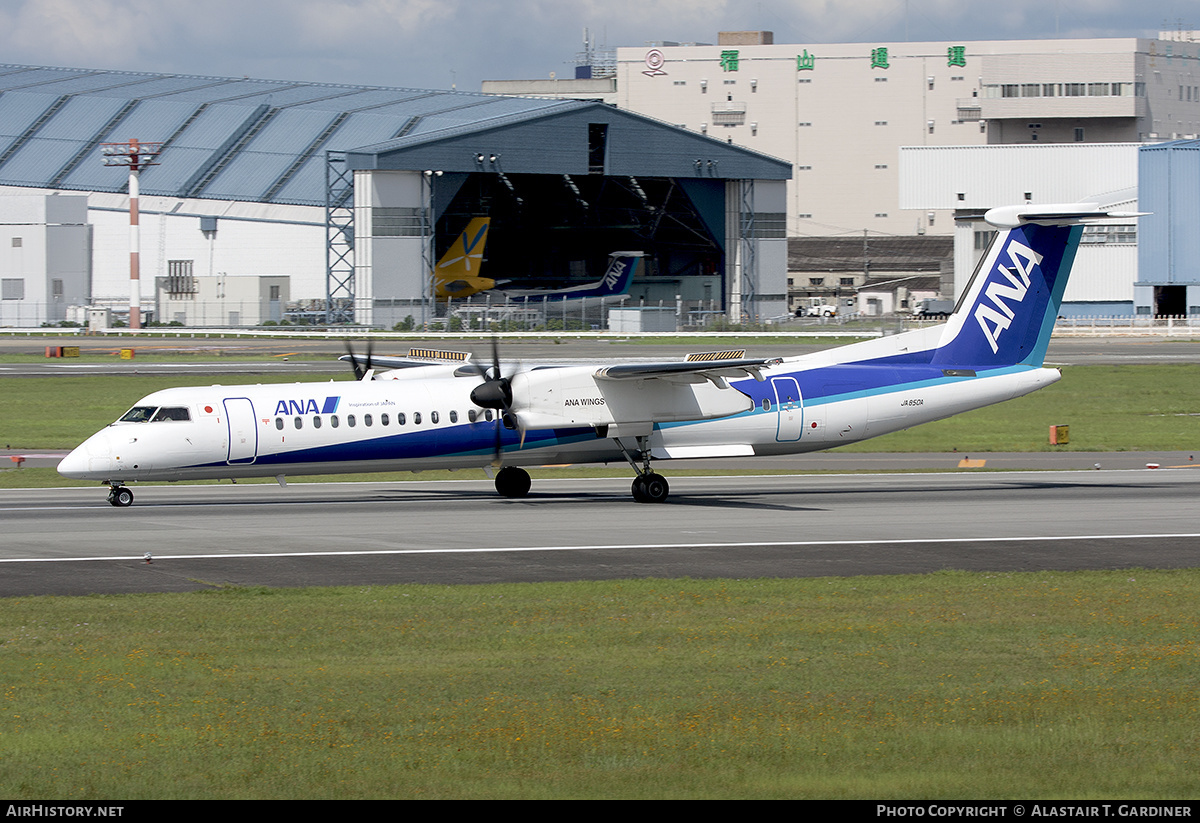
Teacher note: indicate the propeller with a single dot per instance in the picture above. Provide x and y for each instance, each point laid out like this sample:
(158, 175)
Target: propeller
(360, 369)
(495, 392)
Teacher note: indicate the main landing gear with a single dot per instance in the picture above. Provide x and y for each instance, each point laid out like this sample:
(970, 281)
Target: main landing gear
(512, 482)
(648, 486)
(120, 496)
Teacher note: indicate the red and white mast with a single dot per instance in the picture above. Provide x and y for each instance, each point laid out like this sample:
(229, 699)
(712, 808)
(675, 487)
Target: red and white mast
(136, 156)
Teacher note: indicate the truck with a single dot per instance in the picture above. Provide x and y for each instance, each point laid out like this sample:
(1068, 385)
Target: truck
(933, 307)
(817, 307)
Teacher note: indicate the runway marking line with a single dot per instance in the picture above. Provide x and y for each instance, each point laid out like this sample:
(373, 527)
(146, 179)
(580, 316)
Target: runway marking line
(608, 547)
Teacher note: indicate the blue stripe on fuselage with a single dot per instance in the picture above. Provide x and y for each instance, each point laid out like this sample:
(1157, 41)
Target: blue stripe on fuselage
(445, 441)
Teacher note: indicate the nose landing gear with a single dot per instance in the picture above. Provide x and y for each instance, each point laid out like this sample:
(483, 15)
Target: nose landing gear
(120, 496)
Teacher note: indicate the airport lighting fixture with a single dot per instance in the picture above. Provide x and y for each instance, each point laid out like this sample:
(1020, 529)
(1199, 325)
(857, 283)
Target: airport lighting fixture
(136, 155)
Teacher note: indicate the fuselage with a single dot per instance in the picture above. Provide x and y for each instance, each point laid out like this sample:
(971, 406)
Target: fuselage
(425, 419)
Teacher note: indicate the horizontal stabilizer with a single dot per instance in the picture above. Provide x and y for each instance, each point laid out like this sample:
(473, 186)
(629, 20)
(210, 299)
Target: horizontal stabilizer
(1069, 214)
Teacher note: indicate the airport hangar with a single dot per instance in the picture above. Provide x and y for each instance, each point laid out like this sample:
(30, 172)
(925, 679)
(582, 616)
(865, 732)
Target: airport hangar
(352, 192)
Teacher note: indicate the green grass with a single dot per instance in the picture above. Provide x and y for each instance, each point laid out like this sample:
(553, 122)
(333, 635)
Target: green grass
(1109, 408)
(62, 412)
(952, 685)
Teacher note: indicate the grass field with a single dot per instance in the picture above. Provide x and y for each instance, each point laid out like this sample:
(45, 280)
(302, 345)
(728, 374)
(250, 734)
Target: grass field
(947, 686)
(952, 685)
(1109, 408)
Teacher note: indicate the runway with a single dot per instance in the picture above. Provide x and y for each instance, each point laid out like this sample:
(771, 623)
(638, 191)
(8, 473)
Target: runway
(69, 541)
(308, 359)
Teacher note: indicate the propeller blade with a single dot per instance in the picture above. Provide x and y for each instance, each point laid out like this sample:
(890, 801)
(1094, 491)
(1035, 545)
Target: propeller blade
(358, 370)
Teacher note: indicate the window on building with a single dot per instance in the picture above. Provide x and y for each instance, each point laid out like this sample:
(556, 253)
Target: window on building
(12, 288)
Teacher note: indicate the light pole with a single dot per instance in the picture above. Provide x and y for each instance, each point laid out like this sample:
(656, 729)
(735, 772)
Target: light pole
(136, 156)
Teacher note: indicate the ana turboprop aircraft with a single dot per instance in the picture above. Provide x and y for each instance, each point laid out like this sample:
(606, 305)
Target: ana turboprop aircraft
(438, 410)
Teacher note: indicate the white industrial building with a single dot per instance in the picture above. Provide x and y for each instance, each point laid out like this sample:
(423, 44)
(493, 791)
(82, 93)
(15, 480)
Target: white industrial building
(840, 113)
(966, 181)
(352, 193)
(45, 257)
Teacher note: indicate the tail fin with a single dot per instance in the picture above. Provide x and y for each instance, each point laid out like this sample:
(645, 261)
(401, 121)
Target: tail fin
(621, 268)
(457, 273)
(1007, 313)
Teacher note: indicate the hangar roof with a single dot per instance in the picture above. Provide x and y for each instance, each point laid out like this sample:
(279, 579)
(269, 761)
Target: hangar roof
(224, 138)
(562, 139)
(265, 140)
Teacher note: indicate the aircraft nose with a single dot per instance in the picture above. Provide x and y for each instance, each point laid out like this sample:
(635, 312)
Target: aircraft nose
(75, 464)
(90, 460)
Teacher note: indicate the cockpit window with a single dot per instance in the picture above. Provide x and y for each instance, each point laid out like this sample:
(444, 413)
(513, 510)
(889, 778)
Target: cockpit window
(171, 413)
(138, 414)
(154, 414)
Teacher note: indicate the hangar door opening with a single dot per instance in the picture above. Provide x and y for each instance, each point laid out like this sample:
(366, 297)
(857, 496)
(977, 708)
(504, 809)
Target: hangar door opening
(556, 231)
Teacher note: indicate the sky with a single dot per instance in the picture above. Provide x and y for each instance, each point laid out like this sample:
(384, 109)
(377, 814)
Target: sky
(439, 44)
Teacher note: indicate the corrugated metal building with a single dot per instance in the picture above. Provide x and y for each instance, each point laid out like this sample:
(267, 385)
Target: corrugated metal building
(254, 155)
(972, 179)
(1168, 280)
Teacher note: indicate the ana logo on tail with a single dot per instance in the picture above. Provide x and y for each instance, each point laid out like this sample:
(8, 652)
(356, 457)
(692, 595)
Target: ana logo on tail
(995, 320)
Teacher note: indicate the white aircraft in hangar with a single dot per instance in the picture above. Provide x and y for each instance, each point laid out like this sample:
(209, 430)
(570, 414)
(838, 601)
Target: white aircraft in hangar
(441, 411)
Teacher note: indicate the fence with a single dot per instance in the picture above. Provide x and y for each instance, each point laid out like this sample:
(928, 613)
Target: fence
(1128, 325)
(583, 315)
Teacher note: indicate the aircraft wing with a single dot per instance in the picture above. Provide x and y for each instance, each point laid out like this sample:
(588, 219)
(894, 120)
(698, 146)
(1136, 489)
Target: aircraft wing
(414, 359)
(701, 370)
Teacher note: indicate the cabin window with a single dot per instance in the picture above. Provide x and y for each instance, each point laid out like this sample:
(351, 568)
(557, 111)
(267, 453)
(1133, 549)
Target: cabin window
(416, 418)
(316, 422)
(367, 420)
(383, 419)
(350, 421)
(138, 414)
(400, 419)
(453, 417)
(471, 415)
(766, 404)
(487, 414)
(299, 422)
(279, 423)
(333, 420)
(433, 417)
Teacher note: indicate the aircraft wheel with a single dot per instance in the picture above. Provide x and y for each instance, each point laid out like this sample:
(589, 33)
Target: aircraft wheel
(121, 497)
(650, 488)
(513, 482)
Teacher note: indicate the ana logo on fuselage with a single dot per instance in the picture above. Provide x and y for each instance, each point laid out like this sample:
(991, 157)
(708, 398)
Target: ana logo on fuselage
(995, 318)
(307, 406)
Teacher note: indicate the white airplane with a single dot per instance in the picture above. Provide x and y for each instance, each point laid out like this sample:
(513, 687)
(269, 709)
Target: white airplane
(438, 410)
(457, 275)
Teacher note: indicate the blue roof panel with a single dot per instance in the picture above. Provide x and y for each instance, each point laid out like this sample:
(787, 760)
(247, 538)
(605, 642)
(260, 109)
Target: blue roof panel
(20, 110)
(225, 138)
